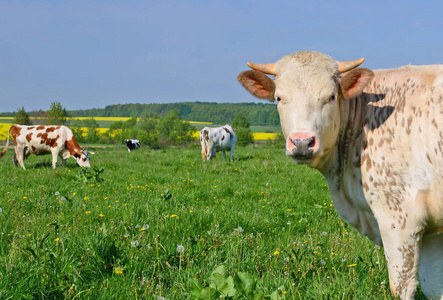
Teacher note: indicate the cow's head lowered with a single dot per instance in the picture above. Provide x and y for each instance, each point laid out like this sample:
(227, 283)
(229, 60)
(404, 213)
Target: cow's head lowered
(83, 158)
(309, 88)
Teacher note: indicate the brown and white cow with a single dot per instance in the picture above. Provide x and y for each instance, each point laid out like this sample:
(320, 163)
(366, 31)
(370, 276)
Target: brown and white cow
(40, 140)
(377, 138)
(213, 139)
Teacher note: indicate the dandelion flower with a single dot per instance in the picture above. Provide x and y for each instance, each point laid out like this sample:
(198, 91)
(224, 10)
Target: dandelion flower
(57, 193)
(324, 233)
(173, 216)
(118, 270)
(145, 227)
(180, 248)
(57, 239)
(289, 223)
(134, 244)
(101, 215)
(276, 253)
(352, 265)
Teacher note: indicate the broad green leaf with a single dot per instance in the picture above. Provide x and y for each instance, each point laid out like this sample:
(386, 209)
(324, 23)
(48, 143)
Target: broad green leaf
(209, 294)
(196, 287)
(218, 277)
(245, 283)
(228, 289)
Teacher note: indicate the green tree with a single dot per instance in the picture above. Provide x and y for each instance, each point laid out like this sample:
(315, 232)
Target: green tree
(57, 114)
(22, 117)
(241, 120)
(173, 129)
(243, 133)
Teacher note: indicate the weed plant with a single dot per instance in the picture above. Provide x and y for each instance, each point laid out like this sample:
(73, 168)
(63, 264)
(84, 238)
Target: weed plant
(157, 224)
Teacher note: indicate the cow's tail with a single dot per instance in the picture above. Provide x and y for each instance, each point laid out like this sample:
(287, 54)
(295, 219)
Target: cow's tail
(7, 143)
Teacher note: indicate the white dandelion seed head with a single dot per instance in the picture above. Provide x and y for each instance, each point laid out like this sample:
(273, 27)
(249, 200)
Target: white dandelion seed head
(135, 243)
(285, 260)
(137, 226)
(324, 233)
(57, 193)
(322, 262)
(146, 227)
(180, 248)
(240, 230)
(1, 210)
(217, 225)
(289, 223)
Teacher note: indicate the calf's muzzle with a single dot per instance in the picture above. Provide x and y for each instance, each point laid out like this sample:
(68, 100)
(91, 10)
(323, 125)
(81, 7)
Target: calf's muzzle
(301, 146)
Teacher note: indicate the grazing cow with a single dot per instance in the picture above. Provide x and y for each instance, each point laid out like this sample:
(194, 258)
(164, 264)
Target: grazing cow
(132, 144)
(377, 138)
(217, 139)
(39, 140)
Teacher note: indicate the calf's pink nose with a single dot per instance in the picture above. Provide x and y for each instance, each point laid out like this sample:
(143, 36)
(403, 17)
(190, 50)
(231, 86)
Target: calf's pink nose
(302, 144)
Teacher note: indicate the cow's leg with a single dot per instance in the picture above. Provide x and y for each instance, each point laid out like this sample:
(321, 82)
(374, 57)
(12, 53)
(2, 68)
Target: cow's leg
(54, 159)
(431, 266)
(19, 155)
(402, 251)
(62, 159)
(232, 153)
(224, 155)
(14, 160)
(401, 222)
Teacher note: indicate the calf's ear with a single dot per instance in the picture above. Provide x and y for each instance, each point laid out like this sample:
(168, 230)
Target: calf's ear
(353, 83)
(258, 84)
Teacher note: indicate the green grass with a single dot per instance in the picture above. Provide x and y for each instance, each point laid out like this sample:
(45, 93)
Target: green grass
(86, 234)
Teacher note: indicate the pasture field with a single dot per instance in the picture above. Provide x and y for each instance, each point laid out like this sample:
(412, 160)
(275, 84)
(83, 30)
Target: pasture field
(156, 224)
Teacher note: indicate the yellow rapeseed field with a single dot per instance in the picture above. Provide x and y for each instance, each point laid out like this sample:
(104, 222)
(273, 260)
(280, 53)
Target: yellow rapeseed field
(258, 136)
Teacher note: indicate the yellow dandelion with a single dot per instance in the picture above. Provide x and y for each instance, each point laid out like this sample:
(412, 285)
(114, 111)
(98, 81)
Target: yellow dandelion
(276, 252)
(87, 212)
(57, 239)
(173, 216)
(101, 215)
(352, 265)
(86, 198)
(118, 270)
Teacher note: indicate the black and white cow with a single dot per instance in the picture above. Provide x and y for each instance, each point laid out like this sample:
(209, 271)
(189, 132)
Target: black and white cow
(132, 144)
(217, 139)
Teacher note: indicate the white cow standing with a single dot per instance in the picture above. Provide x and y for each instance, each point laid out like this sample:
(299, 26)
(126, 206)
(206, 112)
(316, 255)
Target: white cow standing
(217, 139)
(377, 138)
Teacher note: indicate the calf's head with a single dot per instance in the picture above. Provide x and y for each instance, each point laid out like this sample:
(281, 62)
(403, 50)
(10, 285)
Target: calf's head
(309, 88)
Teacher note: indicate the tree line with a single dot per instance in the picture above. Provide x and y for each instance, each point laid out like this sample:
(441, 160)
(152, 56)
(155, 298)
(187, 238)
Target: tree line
(155, 131)
(258, 114)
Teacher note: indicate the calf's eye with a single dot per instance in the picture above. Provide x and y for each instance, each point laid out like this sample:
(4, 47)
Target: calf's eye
(332, 99)
(278, 99)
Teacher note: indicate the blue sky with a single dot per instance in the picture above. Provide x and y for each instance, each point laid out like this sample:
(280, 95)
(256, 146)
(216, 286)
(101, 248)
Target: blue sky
(89, 54)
